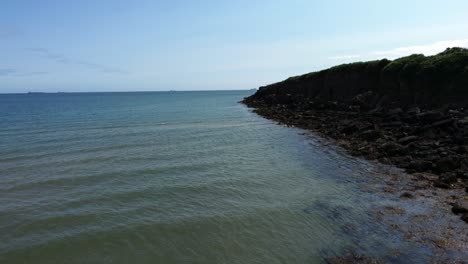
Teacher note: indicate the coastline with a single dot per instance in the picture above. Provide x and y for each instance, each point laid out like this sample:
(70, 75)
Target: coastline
(420, 214)
(411, 114)
(419, 141)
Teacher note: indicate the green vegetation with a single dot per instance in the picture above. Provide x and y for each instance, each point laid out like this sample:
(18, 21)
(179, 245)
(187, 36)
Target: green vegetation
(448, 66)
(414, 79)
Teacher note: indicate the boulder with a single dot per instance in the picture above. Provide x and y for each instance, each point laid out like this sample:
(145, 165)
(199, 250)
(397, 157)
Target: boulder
(441, 185)
(413, 111)
(462, 175)
(407, 195)
(448, 178)
(431, 116)
(395, 111)
(352, 258)
(463, 121)
(460, 207)
(392, 148)
(407, 140)
(465, 218)
(443, 123)
(420, 165)
(370, 134)
(447, 164)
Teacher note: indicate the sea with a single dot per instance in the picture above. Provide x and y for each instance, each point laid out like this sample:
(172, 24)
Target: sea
(176, 177)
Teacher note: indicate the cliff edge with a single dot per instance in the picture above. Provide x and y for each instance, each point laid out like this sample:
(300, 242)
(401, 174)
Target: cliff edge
(411, 112)
(414, 80)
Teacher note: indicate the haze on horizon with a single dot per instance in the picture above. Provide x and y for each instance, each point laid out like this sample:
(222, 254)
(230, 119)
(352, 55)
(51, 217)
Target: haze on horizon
(76, 46)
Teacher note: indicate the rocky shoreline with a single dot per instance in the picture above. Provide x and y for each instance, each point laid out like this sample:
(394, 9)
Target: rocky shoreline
(429, 141)
(404, 126)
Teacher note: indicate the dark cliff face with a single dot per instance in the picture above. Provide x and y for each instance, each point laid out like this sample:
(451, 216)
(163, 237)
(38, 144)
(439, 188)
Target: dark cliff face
(414, 80)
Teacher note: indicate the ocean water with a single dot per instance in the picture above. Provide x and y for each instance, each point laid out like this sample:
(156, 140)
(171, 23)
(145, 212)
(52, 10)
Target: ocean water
(172, 177)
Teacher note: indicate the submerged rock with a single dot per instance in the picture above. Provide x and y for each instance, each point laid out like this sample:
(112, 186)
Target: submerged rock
(353, 258)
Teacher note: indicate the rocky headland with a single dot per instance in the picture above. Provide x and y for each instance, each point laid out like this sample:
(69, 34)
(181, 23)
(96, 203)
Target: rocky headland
(411, 112)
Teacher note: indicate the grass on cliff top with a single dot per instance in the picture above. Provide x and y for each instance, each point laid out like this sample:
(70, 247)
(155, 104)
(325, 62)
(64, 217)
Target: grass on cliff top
(450, 65)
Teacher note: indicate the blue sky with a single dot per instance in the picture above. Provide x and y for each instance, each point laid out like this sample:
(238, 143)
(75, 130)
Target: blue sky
(138, 45)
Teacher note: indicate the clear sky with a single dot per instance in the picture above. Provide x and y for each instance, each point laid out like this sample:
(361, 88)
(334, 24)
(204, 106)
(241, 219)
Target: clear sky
(135, 45)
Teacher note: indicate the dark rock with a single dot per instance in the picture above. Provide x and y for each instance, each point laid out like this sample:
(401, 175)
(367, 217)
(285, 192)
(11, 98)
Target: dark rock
(458, 139)
(460, 207)
(448, 178)
(392, 124)
(461, 149)
(465, 218)
(352, 258)
(407, 195)
(395, 111)
(463, 121)
(413, 111)
(420, 165)
(462, 175)
(408, 139)
(370, 134)
(431, 116)
(401, 161)
(441, 185)
(442, 123)
(349, 129)
(447, 164)
(392, 148)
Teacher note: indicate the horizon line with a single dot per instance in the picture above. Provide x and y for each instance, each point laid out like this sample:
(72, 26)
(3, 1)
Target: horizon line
(148, 91)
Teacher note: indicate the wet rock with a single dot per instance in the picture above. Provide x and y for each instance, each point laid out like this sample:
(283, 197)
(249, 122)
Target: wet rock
(465, 218)
(441, 185)
(449, 178)
(352, 258)
(460, 207)
(407, 195)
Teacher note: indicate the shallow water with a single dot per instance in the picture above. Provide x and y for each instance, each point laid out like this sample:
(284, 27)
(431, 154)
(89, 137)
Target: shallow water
(175, 177)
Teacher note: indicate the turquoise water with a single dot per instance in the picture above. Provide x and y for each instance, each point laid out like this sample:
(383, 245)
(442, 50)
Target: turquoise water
(170, 177)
